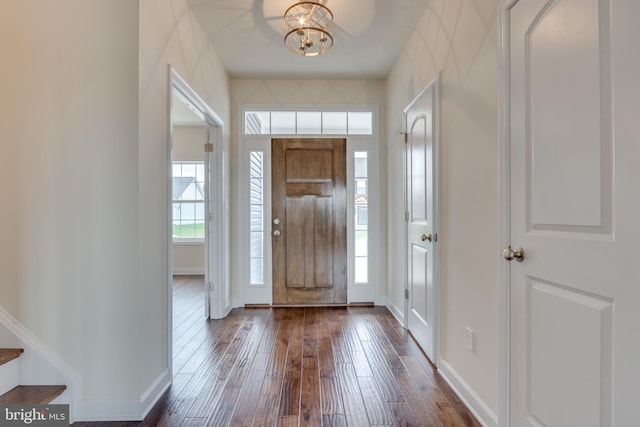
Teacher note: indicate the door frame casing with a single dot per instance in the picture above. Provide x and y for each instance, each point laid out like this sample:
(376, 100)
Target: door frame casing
(504, 237)
(435, 85)
(371, 143)
(504, 233)
(216, 257)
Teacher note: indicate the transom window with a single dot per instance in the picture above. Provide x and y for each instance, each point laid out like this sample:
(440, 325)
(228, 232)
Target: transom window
(308, 123)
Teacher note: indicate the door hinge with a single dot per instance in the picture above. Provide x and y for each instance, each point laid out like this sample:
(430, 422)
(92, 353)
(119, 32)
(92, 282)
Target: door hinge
(405, 136)
(208, 147)
(406, 294)
(210, 217)
(406, 216)
(211, 286)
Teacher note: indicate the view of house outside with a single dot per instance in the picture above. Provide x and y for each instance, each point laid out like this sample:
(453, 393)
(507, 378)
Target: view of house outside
(188, 200)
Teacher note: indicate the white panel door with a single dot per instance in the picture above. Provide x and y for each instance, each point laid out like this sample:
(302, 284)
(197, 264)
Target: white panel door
(421, 118)
(215, 253)
(212, 278)
(574, 97)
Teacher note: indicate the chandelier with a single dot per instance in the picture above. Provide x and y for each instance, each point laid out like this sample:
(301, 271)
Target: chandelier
(308, 28)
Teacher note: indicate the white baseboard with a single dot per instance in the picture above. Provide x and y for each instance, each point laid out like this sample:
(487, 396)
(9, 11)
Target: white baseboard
(40, 364)
(227, 310)
(188, 271)
(476, 405)
(125, 410)
(109, 410)
(155, 391)
(397, 313)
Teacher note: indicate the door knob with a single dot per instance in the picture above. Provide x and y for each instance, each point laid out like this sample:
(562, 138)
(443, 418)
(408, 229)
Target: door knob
(276, 233)
(428, 237)
(516, 253)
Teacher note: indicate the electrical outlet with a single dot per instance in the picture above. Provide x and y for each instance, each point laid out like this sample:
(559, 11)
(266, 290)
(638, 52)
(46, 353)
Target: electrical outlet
(469, 338)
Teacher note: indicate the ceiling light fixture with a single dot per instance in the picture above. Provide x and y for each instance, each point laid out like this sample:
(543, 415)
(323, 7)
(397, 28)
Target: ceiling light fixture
(308, 28)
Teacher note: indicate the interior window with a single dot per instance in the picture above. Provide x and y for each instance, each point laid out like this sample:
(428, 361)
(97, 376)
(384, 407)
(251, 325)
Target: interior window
(188, 201)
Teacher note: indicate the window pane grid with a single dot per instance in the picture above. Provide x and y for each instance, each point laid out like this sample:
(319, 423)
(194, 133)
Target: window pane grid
(361, 219)
(188, 188)
(256, 217)
(308, 123)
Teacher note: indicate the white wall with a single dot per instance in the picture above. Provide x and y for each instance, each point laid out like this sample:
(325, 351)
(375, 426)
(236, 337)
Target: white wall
(188, 145)
(88, 115)
(459, 38)
(310, 93)
(85, 166)
(69, 257)
(169, 34)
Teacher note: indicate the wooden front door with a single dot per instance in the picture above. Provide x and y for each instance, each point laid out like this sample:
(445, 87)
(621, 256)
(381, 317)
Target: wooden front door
(309, 231)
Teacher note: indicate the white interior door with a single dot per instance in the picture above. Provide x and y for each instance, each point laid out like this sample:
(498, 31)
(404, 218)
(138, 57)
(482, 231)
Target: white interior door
(421, 120)
(572, 69)
(210, 248)
(215, 249)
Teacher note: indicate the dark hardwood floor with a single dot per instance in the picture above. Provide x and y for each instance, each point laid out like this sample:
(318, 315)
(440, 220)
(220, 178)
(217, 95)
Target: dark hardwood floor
(297, 367)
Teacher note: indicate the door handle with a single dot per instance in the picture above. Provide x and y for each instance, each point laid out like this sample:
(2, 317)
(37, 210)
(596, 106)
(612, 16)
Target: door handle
(516, 253)
(426, 237)
(276, 233)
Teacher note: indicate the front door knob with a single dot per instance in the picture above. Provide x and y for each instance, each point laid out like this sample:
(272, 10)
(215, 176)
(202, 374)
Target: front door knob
(516, 253)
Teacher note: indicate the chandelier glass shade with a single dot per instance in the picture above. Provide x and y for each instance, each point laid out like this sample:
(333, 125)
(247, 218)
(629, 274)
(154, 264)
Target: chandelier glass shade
(308, 28)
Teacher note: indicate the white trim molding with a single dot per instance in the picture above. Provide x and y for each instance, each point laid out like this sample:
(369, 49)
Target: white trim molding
(188, 271)
(470, 398)
(504, 221)
(154, 392)
(398, 313)
(124, 410)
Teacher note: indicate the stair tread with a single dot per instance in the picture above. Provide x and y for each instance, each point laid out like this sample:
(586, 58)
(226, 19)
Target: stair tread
(8, 354)
(32, 394)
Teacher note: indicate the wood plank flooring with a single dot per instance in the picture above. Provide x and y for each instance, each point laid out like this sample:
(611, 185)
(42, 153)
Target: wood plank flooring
(297, 367)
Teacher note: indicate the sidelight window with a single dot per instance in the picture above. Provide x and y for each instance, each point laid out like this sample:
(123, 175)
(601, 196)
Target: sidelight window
(256, 217)
(361, 220)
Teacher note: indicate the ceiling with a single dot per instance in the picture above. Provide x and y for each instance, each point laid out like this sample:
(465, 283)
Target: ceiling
(247, 37)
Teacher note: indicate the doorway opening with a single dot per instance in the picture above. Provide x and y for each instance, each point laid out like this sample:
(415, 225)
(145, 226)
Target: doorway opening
(309, 211)
(358, 126)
